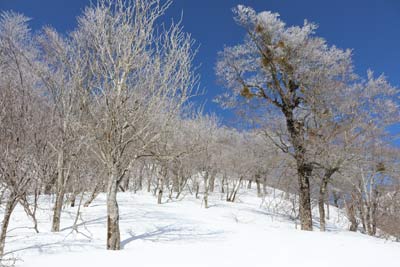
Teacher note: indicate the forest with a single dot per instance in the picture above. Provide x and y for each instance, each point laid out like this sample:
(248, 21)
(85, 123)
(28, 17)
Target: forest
(110, 108)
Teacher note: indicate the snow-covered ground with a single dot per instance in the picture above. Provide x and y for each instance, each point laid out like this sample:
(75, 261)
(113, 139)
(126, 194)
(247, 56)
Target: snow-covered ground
(183, 233)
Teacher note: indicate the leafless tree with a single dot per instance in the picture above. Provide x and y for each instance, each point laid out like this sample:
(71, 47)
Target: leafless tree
(138, 81)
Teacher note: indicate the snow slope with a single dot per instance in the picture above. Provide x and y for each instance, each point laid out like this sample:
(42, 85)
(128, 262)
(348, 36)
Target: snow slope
(183, 233)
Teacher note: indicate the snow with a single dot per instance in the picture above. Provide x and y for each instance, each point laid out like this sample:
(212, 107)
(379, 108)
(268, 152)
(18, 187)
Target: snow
(183, 233)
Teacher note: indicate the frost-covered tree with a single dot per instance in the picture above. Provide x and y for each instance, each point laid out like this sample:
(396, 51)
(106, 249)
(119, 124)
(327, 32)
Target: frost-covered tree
(139, 78)
(22, 118)
(284, 74)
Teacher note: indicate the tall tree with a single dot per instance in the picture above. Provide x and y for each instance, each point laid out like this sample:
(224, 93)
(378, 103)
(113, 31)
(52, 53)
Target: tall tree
(139, 80)
(282, 72)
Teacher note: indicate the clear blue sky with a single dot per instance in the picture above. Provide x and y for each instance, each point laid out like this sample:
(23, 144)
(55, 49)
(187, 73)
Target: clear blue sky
(370, 27)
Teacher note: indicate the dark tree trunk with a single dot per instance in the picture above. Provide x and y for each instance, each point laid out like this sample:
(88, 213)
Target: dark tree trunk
(304, 172)
(126, 184)
(11, 203)
(258, 185)
(336, 198)
(235, 190)
(249, 185)
(197, 189)
(73, 199)
(304, 168)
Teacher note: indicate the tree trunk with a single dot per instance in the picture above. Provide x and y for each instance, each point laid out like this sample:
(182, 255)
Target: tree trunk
(235, 190)
(11, 203)
(258, 186)
(373, 213)
(149, 185)
(94, 194)
(249, 185)
(304, 172)
(182, 185)
(265, 186)
(73, 199)
(336, 198)
(223, 184)
(140, 182)
(126, 184)
(160, 186)
(31, 213)
(59, 193)
(205, 198)
(327, 210)
(321, 203)
(212, 181)
(351, 216)
(78, 213)
(113, 234)
(197, 188)
(322, 196)
(304, 168)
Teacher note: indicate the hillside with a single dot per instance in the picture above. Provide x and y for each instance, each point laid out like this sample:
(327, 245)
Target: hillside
(183, 233)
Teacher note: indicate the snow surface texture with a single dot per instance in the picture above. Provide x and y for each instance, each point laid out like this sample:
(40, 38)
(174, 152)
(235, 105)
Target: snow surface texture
(250, 232)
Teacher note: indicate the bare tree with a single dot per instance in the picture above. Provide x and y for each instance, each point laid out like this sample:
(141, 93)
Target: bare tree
(287, 73)
(20, 116)
(138, 82)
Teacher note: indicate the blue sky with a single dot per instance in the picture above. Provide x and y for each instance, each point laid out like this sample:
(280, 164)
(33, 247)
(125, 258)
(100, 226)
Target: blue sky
(370, 27)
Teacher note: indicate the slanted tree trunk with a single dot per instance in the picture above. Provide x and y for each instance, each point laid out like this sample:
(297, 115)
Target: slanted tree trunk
(11, 203)
(113, 233)
(182, 184)
(235, 190)
(78, 213)
(94, 194)
(31, 213)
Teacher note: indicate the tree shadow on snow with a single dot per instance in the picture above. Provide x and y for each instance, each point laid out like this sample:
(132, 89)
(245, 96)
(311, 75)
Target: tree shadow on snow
(171, 233)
